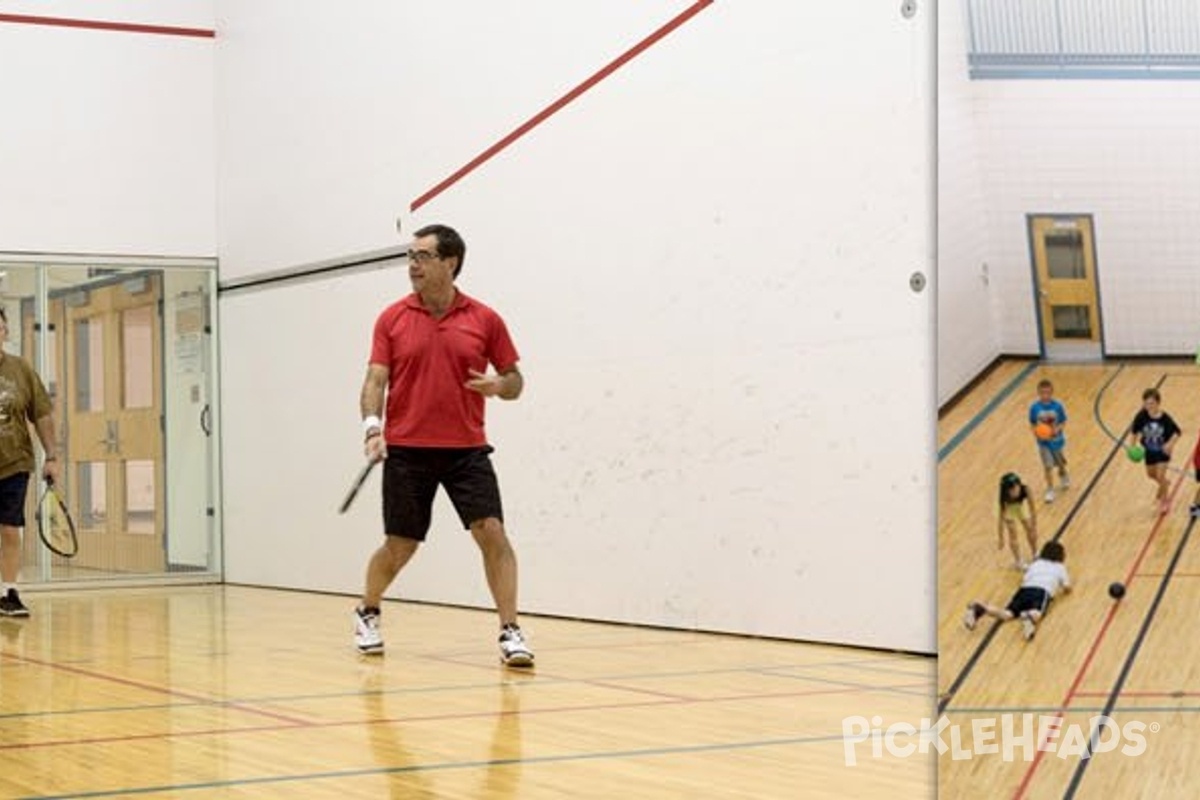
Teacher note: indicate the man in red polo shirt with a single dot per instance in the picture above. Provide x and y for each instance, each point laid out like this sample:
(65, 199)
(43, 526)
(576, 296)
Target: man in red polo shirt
(429, 357)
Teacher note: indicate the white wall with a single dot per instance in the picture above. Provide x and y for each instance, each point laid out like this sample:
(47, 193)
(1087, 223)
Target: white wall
(107, 141)
(1125, 151)
(968, 335)
(704, 262)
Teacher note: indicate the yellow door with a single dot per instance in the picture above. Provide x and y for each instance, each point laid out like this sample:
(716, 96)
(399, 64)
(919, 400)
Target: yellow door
(1064, 258)
(110, 346)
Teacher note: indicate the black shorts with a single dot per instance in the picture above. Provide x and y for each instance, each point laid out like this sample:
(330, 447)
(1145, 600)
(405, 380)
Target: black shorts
(1029, 598)
(411, 476)
(12, 499)
(1156, 457)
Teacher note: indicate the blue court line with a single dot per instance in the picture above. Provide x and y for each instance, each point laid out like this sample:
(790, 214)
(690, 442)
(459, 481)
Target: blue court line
(450, 765)
(958, 438)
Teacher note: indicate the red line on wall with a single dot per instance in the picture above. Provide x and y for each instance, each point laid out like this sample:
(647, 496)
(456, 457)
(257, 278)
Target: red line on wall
(103, 25)
(557, 105)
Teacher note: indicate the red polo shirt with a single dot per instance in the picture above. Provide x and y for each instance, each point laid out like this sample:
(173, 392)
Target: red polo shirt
(428, 362)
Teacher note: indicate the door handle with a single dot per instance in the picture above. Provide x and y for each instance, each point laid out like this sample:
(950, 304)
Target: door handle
(112, 439)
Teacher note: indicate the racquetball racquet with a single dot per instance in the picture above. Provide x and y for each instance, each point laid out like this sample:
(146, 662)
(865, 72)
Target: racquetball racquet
(358, 482)
(55, 526)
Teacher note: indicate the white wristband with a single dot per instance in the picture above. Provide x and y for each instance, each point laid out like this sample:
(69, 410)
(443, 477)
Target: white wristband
(372, 422)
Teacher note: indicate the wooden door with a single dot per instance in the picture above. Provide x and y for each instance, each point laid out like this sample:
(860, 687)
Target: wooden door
(1064, 261)
(110, 346)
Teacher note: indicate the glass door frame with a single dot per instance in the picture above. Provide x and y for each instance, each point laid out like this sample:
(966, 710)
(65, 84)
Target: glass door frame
(39, 572)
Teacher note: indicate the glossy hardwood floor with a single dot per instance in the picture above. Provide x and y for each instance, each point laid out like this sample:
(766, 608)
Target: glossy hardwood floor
(225, 691)
(1133, 661)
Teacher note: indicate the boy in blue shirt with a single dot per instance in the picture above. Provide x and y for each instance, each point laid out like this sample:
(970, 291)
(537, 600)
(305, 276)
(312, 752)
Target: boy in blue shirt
(1048, 415)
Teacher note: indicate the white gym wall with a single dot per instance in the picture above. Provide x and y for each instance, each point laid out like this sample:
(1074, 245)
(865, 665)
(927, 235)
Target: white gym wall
(107, 142)
(704, 262)
(1125, 151)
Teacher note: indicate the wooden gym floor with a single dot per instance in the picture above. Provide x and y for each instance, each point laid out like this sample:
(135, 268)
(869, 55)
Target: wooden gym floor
(226, 691)
(1133, 661)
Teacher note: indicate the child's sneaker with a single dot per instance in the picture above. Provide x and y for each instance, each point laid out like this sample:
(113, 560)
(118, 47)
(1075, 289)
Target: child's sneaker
(11, 605)
(366, 631)
(1066, 482)
(1195, 510)
(974, 612)
(1028, 627)
(514, 651)
(1049, 495)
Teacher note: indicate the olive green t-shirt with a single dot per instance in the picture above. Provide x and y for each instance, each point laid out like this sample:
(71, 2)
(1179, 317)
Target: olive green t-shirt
(23, 400)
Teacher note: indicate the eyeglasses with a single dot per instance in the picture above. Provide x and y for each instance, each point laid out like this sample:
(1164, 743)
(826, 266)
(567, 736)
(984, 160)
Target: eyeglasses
(422, 256)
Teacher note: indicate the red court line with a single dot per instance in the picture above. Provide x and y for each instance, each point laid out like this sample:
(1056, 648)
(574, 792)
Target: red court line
(606, 682)
(527, 678)
(1073, 690)
(636, 690)
(436, 717)
(599, 645)
(104, 25)
(149, 687)
(557, 105)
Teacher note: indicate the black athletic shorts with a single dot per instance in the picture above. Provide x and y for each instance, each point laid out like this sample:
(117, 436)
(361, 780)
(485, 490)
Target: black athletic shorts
(12, 499)
(411, 476)
(1029, 598)
(1156, 457)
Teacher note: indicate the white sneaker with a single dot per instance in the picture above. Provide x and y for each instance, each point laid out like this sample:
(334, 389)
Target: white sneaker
(514, 651)
(1028, 627)
(366, 632)
(1066, 482)
(971, 619)
(1049, 495)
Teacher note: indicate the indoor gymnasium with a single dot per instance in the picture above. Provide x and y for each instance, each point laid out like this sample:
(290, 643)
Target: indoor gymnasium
(1069, 298)
(706, 230)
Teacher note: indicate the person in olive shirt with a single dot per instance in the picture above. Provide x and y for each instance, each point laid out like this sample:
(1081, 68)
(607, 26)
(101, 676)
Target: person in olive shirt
(23, 400)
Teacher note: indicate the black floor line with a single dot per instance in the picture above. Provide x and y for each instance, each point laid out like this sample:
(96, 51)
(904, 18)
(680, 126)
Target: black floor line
(965, 672)
(1127, 667)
